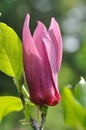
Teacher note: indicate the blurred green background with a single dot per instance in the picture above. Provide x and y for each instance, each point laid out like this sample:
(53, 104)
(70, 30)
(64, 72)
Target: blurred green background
(71, 15)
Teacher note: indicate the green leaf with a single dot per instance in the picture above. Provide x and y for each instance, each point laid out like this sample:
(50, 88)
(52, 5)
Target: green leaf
(80, 92)
(74, 112)
(9, 104)
(10, 52)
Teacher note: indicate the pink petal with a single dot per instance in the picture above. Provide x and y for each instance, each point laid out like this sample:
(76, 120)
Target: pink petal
(37, 37)
(52, 58)
(46, 73)
(27, 38)
(50, 51)
(55, 34)
(53, 46)
(31, 57)
(28, 43)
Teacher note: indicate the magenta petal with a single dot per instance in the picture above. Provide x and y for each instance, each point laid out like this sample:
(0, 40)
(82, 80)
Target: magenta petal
(37, 37)
(50, 52)
(28, 42)
(53, 46)
(31, 60)
(47, 82)
(27, 38)
(55, 34)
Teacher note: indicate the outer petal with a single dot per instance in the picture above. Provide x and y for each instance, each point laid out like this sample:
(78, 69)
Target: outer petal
(28, 43)
(48, 89)
(55, 34)
(27, 38)
(30, 53)
(37, 37)
(52, 58)
(53, 46)
(31, 60)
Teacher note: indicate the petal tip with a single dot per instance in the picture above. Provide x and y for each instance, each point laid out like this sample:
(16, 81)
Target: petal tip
(53, 24)
(53, 19)
(27, 17)
(40, 24)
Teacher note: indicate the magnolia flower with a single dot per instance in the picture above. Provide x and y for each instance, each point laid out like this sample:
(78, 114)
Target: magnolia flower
(42, 55)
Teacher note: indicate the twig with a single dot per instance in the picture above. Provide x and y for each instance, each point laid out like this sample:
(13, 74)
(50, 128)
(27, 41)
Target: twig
(34, 124)
(43, 121)
(22, 97)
